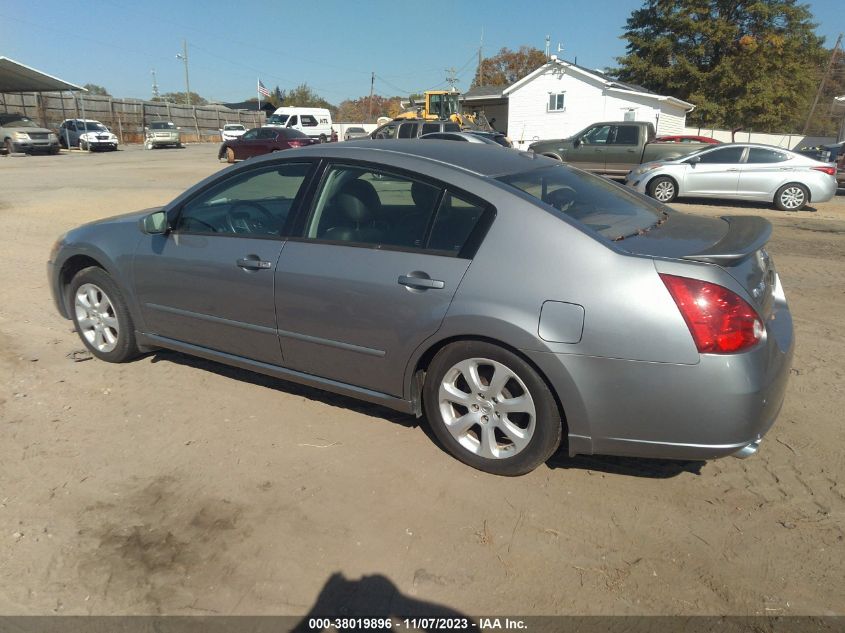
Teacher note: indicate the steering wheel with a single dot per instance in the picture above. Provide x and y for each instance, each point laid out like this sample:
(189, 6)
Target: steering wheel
(242, 222)
(562, 199)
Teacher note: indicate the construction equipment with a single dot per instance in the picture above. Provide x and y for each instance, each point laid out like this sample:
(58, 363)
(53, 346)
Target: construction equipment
(443, 105)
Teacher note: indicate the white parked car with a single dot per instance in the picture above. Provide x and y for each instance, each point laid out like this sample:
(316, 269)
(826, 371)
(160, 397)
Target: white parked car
(87, 134)
(738, 171)
(231, 131)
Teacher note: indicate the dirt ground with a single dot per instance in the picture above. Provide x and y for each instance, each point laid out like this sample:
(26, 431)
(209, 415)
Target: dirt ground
(179, 486)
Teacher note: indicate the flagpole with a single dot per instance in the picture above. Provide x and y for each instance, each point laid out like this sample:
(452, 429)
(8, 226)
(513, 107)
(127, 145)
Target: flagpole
(258, 89)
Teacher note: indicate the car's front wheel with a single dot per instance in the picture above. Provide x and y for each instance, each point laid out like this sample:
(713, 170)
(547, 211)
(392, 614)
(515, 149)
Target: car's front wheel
(230, 155)
(83, 146)
(791, 197)
(490, 408)
(101, 317)
(663, 189)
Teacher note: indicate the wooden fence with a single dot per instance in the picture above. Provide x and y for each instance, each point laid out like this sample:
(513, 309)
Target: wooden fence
(128, 117)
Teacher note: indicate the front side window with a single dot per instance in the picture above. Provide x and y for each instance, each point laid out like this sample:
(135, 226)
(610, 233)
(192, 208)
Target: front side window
(294, 120)
(387, 131)
(556, 102)
(596, 135)
(255, 203)
(429, 128)
(724, 156)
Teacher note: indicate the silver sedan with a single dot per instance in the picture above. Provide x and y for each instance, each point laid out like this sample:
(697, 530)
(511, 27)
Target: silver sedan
(519, 304)
(739, 171)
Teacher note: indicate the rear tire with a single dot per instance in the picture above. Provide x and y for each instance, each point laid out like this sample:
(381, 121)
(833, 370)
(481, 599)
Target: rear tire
(663, 189)
(8, 145)
(491, 409)
(101, 317)
(792, 197)
(323, 138)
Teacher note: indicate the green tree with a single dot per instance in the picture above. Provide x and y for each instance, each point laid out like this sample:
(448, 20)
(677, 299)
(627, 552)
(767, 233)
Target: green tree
(742, 63)
(304, 97)
(508, 66)
(94, 89)
(358, 110)
(181, 98)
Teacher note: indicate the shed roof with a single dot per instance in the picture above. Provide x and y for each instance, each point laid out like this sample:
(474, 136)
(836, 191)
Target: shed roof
(17, 77)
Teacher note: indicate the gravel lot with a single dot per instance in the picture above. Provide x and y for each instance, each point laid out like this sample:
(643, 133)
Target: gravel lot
(174, 485)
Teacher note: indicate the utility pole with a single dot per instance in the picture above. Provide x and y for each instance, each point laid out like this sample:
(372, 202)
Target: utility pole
(184, 57)
(451, 78)
(372, 87)
(156, 94)
(821, 84)
(480, 71)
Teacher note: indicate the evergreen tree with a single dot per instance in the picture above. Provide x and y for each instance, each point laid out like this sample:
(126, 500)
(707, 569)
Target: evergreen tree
(742, 63)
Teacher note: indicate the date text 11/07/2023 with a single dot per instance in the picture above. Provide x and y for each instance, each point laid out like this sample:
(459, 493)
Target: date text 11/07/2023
(429, 624)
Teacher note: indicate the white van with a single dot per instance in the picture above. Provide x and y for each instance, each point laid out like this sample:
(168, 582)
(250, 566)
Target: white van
(315, 122)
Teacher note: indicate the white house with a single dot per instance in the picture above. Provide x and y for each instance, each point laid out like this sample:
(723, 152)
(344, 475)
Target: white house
(561, 98)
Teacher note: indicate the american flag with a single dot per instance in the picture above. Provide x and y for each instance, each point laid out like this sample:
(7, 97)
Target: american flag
(262, 89)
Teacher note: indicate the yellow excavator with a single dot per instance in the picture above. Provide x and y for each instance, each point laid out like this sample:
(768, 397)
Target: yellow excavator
(441, 105)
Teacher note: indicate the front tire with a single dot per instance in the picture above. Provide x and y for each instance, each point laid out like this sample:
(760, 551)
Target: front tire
(84, 147)
(663, 189)
(101, 317)
(491, 409)
(230, 155)
(792, 197)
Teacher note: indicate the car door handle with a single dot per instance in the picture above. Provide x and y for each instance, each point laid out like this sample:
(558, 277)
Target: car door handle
(253, 263)
(732, 170)
(421, 283)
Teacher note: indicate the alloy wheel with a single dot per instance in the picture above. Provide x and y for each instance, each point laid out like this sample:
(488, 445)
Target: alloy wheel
(664, 191)
(487, 408)
(793, 197)
(96, 317)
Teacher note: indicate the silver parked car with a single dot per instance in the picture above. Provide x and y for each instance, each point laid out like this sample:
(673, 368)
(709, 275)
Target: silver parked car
(353, 133)
(516, 302)
(739, 171)
(162, 134)
(20, 134)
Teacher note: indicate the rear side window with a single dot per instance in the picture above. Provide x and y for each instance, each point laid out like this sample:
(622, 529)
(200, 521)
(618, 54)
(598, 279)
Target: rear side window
(308, 120)
(762, 155)
(451, 127)
(408, 130)
(626, 135)
(598, 204)
(429, 128)
(726, 155)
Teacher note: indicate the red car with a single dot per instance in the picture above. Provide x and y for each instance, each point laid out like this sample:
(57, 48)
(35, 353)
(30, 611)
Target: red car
(262, 140)
(686, 139)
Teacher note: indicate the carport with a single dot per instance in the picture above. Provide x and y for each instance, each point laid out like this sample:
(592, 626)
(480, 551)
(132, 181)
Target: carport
(20, 78)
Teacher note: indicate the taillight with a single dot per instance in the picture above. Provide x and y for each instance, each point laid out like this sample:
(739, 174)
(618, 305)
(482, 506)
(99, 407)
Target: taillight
(830, 171)
(720, 321)
(295, 143)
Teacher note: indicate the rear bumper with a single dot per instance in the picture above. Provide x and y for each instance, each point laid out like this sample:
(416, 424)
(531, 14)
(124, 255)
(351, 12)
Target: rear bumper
(714, 408)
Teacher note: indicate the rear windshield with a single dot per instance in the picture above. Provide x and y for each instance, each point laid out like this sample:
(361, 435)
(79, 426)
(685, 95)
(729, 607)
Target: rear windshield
(595, 202)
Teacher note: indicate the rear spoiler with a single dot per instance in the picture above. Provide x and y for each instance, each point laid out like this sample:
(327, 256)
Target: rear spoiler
(746, 235)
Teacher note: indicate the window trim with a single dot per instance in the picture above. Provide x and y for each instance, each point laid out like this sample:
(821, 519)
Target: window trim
(305, 211)
(556, 95)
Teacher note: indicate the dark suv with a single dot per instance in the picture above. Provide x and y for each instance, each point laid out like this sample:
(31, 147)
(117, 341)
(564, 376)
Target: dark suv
(413, 128)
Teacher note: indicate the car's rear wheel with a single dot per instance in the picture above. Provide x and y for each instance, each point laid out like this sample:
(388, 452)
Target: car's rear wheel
(230, 155)
(323, 138)
(101, 317)
(663, 189)
(791, 197)
(490, 408)
(8, 146)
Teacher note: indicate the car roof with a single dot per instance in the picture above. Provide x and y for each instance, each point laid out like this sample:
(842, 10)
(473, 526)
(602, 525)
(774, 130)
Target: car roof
(478, 158)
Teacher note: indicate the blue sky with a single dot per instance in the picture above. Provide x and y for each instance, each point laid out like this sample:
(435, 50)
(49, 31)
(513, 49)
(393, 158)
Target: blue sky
(332, 46)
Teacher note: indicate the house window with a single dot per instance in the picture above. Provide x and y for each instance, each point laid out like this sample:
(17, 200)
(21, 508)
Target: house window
(556, 102)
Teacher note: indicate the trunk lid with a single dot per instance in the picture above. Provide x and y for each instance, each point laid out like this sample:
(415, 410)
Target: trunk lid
(736, 243)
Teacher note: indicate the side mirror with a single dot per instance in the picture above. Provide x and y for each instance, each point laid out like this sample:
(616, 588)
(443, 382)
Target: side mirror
(694, 160)
(156, 223)
(178, 128)
(577, 142)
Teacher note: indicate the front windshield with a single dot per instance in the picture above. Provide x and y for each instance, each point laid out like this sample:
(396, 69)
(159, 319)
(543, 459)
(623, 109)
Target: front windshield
(278, 119)
(162, 125)
(595, 202)
(91, 126)
(22, 122)
(232, 128)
